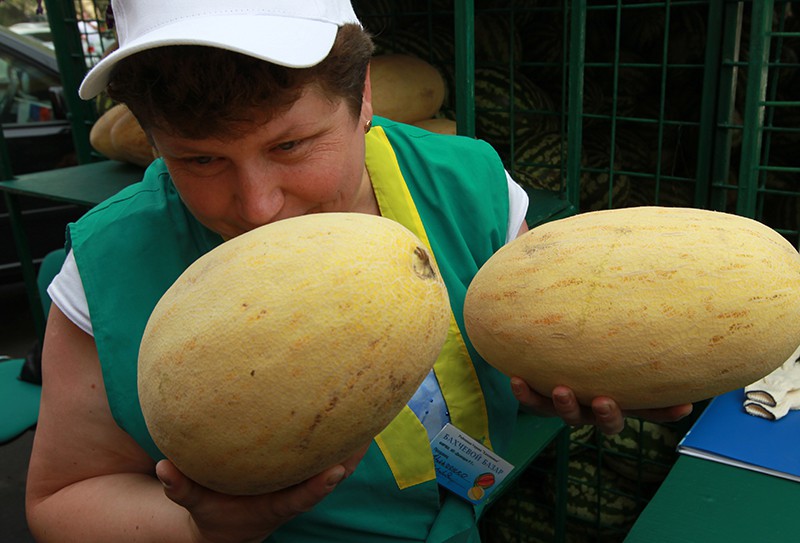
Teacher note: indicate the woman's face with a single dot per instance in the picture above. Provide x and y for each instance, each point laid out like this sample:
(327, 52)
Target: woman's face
(309, 159)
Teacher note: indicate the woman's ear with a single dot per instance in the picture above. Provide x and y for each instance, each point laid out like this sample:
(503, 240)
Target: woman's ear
(366, 101)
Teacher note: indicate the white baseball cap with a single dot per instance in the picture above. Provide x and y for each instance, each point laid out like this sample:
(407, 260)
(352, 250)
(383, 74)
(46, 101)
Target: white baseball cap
(293, 33)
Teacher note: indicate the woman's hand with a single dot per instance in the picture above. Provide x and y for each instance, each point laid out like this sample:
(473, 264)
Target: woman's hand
(604, 413)
(220, 518)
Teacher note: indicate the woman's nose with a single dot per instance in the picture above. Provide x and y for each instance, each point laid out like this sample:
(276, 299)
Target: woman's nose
(259, 197)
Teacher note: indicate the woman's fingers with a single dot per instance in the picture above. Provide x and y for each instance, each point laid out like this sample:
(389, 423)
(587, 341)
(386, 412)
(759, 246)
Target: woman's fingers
(177, 486)
(604, 412)
(280, 506)
(608, 417)
(290, 502)
(567, 407)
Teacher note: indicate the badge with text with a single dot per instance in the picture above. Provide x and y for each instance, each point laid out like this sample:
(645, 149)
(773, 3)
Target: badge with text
(465, 467)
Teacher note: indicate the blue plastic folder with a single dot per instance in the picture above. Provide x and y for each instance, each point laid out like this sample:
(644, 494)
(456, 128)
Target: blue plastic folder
(725, 433)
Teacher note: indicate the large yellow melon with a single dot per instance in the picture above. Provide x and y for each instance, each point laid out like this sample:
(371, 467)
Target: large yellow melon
(651, 306)
(405, 88)
(286, 349)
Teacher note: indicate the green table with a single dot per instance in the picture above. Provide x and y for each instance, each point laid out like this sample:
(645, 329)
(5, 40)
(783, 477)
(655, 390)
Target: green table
(702, 501)
(85, 185)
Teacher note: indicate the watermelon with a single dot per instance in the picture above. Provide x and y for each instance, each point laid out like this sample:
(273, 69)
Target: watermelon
(539, 161)
(496, 40)
(533, 109)
(644, 451)
(596, 496)
(602, 186)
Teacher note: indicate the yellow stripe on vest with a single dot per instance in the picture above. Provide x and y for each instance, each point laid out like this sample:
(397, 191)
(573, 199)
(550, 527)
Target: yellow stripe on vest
(389, 186)
(404, 434)
(456, 375)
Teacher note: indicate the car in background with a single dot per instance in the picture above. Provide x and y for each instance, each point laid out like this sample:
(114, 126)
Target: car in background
(95, 41)
(39, 30)
(32, 111)
(38, 137)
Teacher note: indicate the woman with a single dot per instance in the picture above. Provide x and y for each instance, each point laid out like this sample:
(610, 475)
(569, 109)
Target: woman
(261, 110)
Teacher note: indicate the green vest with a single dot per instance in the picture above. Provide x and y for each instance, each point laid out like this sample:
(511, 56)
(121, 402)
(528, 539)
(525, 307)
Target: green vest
(451, 192)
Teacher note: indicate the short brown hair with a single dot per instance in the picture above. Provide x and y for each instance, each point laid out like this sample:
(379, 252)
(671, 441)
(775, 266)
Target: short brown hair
(196, 91)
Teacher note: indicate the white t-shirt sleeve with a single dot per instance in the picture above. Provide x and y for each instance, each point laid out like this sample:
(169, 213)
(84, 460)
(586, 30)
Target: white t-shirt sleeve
(517, 208)
(66, 289)
(66, 292)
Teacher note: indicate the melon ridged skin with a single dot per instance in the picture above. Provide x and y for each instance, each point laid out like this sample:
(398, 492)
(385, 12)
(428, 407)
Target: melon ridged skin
(286, 349)
(652, 306)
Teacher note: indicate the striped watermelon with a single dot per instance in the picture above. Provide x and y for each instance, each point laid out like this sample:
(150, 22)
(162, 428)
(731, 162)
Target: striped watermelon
(602, 186)
(521, 12)
(643, 451)
(634, 83)
(642, 29)
(378, 15)
(580, 437)
(496, 40)
(533, 109)
(519, 516)
(539, 161)
(597, 496)
(640, 153)
(543, 47)
(594, 102)
(434, 43)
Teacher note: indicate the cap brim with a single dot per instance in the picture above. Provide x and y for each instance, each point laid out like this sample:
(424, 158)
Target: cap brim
(287, 41)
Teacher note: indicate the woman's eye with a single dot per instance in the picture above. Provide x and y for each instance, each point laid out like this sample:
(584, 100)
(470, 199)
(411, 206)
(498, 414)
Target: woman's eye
(287, 146)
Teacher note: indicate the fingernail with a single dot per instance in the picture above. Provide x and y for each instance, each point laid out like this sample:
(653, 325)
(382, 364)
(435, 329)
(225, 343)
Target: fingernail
(336, 477)
(516, 386)
(165, 481)
(561, 397)
(602, 410)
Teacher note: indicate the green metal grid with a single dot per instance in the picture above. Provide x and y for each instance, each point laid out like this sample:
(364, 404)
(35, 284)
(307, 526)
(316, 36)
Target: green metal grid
(761, 178)
(74, 25)
(616, 103)
(610, 479)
